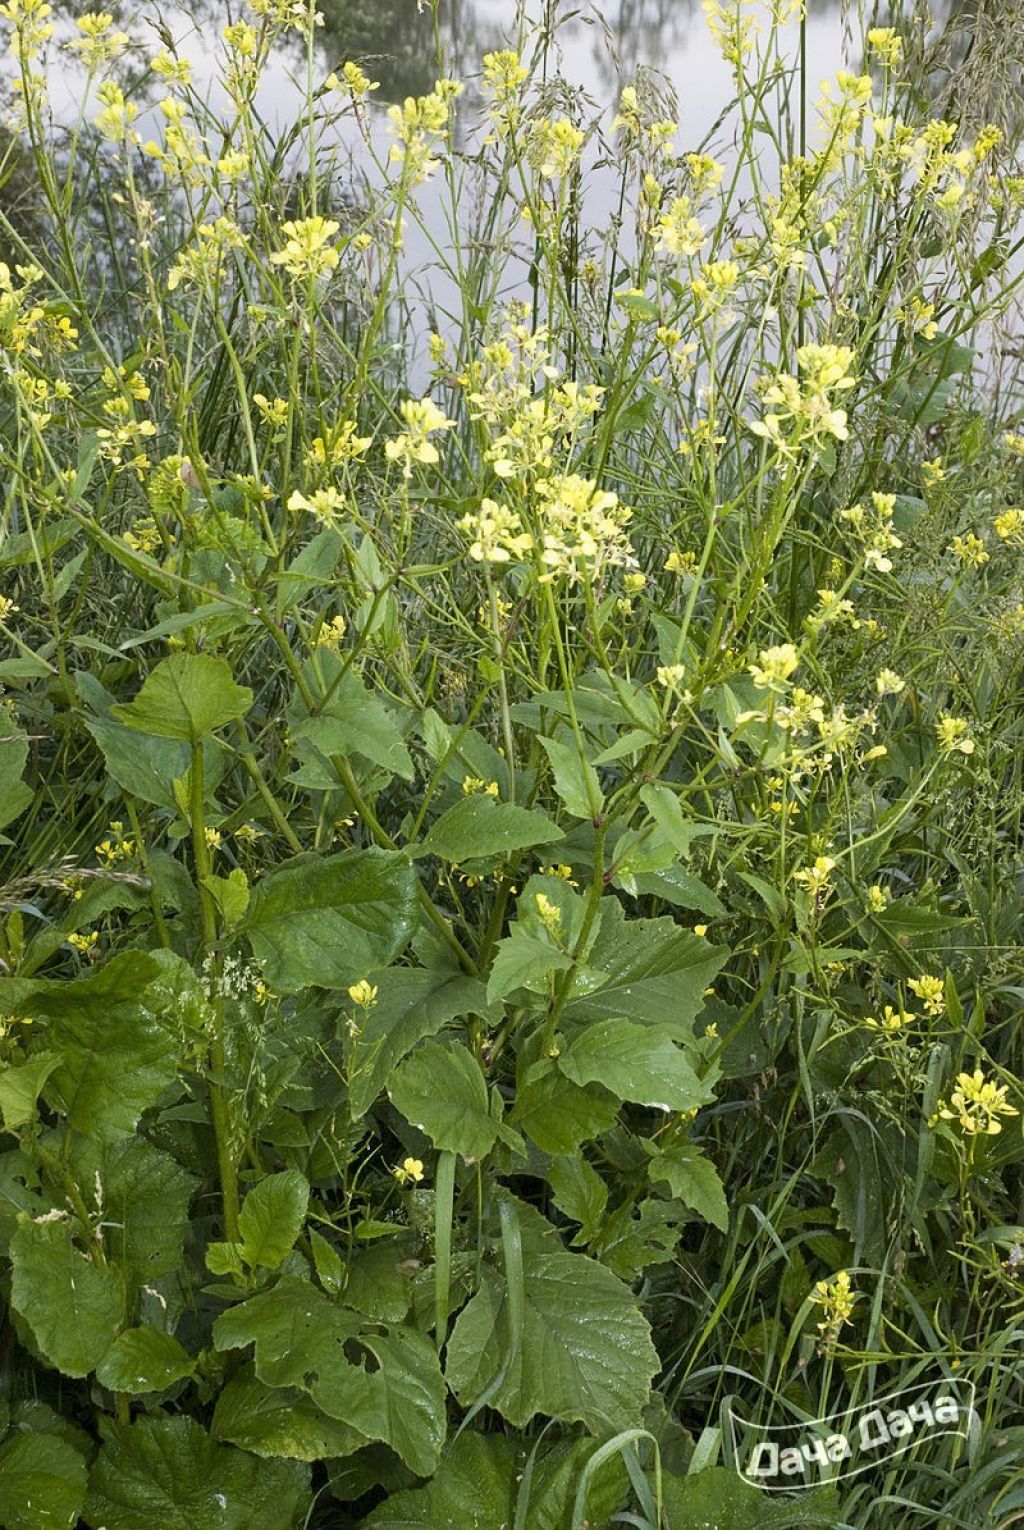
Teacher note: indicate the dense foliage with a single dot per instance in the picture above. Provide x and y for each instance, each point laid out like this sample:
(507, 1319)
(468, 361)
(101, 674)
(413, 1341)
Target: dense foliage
(512, 785)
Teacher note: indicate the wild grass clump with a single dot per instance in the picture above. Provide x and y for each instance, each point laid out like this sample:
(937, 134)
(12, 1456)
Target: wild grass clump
(512, 775)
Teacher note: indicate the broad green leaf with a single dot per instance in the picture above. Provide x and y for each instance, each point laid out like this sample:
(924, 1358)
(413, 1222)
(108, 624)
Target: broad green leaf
(681, 890)
(411, 1004)
(187, 696)
(575, 780)
(278, 1421)
(42, 1483)
(441, 1091)
(693, 1179)
(665, 808)
(272, 1216)
(386, 1384)
(144, 1360)
(523, 958)
(146, 1196)
(168, 1473)
(15, 795)
(329, 922)
(557, 1113)
(116, 1035)
(473, 1489)
(636, 1062)
(647, 970)
(353, 721)
(73, 1305)
(721, 1497)
(20, 1087)
(478, 826)
(556, 1478)
(143, 766)
(579, 1192)
(585, 1352)
(230, 893)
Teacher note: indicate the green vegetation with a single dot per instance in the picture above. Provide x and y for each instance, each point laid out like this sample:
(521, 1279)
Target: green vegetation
(510, 907)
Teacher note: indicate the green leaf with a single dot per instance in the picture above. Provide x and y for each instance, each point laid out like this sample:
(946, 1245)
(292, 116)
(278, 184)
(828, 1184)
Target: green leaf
(523, 958)
(472, 1489)
(386, 1385)
(168, 1472)
(15, 796)
(146, 1196)
(681, 889)
(584, 1353)
(20, 1087)
(557, 1113)
(329, 922)
(411, 1004)
(115, 1032)
(230, 893)
(188, 696)
(579, 1192)
(441, 1091)
(278, 1421)
(647, 970)
(42, 1483)
(694, 1180)
(478, 826)
(556, 1478)
(575, 780)
(144, 1360)
(73, 1305)
(143, 766)
(353, 721)
(636, 1062)
(720, 1496)
(272, 1217)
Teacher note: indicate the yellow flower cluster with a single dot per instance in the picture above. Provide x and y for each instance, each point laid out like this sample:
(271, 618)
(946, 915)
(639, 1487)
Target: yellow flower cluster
(976, 1105)
(803, 412)
(416, 124)
(421, 418)
(307, 251)
(872, 527)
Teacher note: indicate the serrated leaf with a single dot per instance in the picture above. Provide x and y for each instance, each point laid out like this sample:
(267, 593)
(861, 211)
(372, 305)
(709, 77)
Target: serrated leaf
(636, 1062)
(647, 970)
(477, 826)
(575, 779)
(472, 1489)
(441, 1091)
(144, 1360)
(386, 1385)
(720, 1496)
(557, 1114)
(584, 1355)
(188, 696)
(230, 893)
(20, 1087)
(42, 1483)
(115, 1034)
(693, 1179)
(411, 1004)
(272, 1216)
(354, 721)
(278, 1421)
(521, 958)
(579, 1192)
(329, 922)
(73, 1305)
(168, 1472)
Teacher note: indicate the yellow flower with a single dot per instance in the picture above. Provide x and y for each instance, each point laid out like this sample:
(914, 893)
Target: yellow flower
(84, 944)
(363, 993)
(331, 633)
(887, 44)
(473, 784)
(976, 1105)
(892, 1020)
(774, 667)
(932, 990)
(421, 418)
(1009, 527)
(409, 1169)
(815, 879)
(213, 837)
(889, 683)
(836, 1299)
(954, 736)
(970, 550)
(878, 898)
(307, 252)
